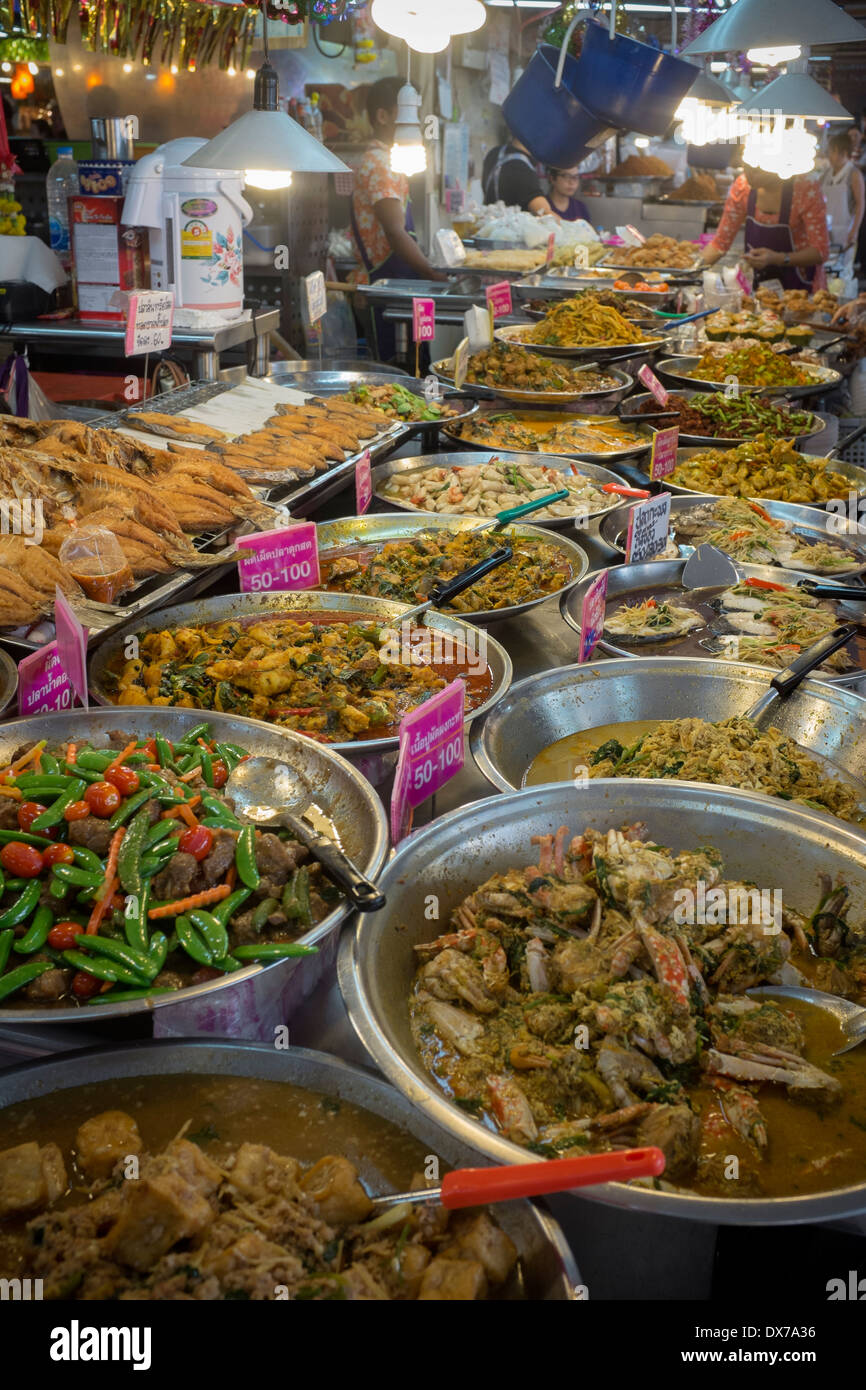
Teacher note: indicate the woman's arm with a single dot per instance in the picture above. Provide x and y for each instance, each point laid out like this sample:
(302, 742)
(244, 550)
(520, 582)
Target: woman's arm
(540, 206)
(859, 205)
(730, 222)
(762, 256)
(392, 220)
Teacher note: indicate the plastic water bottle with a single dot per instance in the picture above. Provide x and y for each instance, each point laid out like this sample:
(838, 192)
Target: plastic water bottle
(61, 184)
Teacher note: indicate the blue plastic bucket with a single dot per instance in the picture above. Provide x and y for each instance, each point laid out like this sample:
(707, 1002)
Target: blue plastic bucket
(554, 125)
(630, 84)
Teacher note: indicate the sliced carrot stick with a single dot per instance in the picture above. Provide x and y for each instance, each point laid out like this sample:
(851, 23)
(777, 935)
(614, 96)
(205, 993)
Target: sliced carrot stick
(122, 756)
(28, 757)
(231, 875)
(110, 883)
(188, 815)
(181, 809)
(188, 776)
(175, 909)
(13, 792)
(71, 752)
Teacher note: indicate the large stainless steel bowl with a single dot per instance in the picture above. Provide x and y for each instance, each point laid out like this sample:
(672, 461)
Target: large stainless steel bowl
(763, 841)
(380, 527)
(606, 396)
(337, 788)
(552, 417)
(245, 607)
(633, 404)
(475, 459)
(854, 474)
(827, 720)
(808, 523)
(548, 1267)
(515, 336)
(678, 370)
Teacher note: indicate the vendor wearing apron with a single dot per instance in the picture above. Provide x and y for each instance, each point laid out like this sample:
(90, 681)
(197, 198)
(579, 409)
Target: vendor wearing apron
(785, 226)
(843, 189)
(509, 176)
(381, 213)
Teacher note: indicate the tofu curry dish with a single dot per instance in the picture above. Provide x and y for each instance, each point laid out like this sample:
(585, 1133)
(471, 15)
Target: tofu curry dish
(210, 1187)
(585, 1001)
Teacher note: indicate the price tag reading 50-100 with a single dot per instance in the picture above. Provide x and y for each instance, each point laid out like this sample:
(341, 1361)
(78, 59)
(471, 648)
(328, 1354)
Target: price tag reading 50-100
(446, 760)
(276, 560)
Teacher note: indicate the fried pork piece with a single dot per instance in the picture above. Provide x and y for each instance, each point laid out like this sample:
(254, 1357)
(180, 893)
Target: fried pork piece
(31, 1176)
(104, 1139)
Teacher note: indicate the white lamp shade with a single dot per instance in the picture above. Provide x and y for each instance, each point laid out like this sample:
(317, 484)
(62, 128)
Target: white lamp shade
(268, 140)
(711, 91)
(423, 24)
(460, 16)
(772, 23)
(795, 94)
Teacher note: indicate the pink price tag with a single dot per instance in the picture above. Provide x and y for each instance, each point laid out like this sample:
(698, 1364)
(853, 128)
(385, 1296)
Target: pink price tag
(43, 685)
(551, 243)
(284, 559)
(71, 646)
(742, 281)
(499, 298)
(423, 320)
(363, 483)
(652, 383)
(431, 752)
(664, 452)
(592, 616)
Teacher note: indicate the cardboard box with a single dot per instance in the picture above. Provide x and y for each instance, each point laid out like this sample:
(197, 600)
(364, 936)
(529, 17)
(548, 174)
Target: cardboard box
(106, 256)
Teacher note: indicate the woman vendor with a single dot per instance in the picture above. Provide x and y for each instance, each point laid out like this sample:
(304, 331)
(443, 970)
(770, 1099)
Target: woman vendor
(785, 224)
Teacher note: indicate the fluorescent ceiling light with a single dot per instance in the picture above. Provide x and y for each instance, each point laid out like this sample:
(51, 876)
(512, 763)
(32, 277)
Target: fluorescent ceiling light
(769, 24)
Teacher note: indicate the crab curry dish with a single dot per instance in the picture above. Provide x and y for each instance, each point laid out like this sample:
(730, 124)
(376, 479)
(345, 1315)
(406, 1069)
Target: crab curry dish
(596, 998)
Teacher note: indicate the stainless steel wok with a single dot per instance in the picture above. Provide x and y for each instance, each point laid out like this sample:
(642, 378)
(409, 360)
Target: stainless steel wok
(336, 787)
(547, 1264)
(763, 841)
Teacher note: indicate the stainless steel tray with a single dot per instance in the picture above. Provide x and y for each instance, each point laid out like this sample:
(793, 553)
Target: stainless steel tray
(331, 383)
(241, 607)
(392, 526)
(608, 457)
(609, 395)
(665, 576)
(613, 261)
(514, 335)
(344, 796)
(547, 1264)
(808, 522)
(827, 720)
(451, 857)
(852, 471)
(675, 368)
(708, 441)
(384, 471)
(569, 280)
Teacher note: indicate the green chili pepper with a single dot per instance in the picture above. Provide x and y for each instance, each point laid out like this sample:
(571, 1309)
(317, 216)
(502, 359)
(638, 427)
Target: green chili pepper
(215, 935)
(129, 856)
(272, 950)
(225, 910)
(82, 878)
(245, 857)
(54, 814)
(22, 975)
(135, 919)
(6, 940)
(37, 933)
(192, 943)
(129, 807)
(23, 905)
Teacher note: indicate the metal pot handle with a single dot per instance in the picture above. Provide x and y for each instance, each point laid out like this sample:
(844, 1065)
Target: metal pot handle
(612, 29)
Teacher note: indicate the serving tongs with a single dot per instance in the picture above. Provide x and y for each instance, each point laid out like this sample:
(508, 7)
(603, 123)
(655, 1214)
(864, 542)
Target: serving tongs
(848, 592)
(448, 589)
(472, 1187)
(257, 783)
(850, 1017)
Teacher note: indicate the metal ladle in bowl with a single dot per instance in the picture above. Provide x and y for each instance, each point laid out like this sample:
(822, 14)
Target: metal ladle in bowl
(850, 1017)
(257, 783)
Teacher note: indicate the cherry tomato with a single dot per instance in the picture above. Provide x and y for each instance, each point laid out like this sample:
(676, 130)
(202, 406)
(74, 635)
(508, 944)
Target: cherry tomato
(150, 748)
(20, 860)
(62, 937)
(58, 854)
(125, 779)
(220, 773)
(84, 986)
(76, 810)
(27, 813)
(102, 799)
(196, 841)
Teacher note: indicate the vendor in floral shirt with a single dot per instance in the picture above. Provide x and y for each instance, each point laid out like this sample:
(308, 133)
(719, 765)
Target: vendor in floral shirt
(785, 223)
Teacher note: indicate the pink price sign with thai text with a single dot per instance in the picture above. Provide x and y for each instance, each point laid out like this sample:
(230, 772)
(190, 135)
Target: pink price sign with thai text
(663, 459)
(284, 559)
(43, 685)
(423, 320)
(363, 483)
(71, 645)
(652, 383)
(592, 616)
(551, 243)
(499, 298)
(431, 752)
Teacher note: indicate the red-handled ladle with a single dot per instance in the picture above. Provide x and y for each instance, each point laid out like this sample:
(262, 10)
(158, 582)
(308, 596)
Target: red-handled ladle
(624, 491)
(473, 1187)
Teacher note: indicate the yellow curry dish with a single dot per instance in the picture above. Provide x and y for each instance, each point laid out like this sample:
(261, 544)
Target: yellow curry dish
(763, 467)
(545, 432)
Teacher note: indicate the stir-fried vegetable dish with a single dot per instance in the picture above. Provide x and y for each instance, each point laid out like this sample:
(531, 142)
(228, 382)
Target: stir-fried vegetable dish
(762, 467)
(714, 415)
(505, 366)
(398, 403)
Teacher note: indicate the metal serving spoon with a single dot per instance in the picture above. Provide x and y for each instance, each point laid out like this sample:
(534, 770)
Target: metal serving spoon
(255, 784)
(472, 1187)
(850, 1017)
